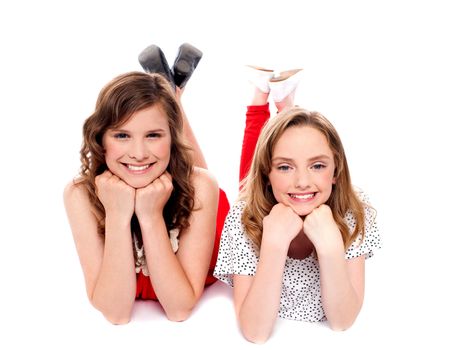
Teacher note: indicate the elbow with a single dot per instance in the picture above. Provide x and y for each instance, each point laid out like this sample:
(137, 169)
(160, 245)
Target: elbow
(178, 315)
(256, 338)
(340, 326)
(117, 319)
(343, 319)
(182, 311)
(254, 335)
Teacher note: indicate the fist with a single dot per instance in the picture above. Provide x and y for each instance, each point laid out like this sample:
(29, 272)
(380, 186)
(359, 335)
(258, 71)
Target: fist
(281, 225)
(322, 229)
(150, 200)
(116, 196)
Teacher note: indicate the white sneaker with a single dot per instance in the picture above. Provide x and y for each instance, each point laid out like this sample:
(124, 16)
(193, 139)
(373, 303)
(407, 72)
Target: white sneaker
(284, 84)
(259, 77)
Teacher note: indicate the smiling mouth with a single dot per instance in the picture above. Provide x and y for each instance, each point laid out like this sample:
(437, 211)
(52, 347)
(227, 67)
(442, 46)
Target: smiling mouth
(137, 168)
(132, 167)
(301, 196)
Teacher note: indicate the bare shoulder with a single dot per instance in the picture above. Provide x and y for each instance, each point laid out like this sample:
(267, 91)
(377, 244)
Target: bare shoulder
(206, 188)
(77, 202)
(82, 216)
(203, 180)
(74, 192)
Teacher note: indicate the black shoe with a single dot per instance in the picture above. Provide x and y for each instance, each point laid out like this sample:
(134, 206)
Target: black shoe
(152, 60)
(186, 61)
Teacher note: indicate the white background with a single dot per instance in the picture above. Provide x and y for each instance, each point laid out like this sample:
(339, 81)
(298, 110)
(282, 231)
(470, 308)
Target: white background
(396, 79)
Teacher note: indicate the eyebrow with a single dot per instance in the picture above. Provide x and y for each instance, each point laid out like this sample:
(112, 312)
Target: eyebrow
(318, 157)
(147, 132)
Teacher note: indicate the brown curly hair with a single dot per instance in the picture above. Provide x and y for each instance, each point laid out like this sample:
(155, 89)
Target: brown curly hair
(117, 102)
(258, 195)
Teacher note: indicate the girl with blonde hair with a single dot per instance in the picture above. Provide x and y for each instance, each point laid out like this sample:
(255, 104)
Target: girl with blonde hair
(295, 243)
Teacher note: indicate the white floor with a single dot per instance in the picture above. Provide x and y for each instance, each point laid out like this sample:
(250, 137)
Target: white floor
(54, 312)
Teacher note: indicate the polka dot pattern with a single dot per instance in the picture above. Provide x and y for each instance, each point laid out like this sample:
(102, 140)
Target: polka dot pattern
(301, 296)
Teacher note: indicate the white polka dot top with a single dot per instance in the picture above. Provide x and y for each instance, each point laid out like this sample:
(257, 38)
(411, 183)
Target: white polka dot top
(300, 297)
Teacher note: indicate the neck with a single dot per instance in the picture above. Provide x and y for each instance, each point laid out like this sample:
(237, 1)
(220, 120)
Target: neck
(301, 247)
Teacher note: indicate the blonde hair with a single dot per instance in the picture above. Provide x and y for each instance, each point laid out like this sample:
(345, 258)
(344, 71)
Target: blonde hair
(256, 190)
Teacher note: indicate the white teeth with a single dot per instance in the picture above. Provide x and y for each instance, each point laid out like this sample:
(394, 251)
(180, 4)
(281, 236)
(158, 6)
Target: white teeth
(137, 168)
(303, 196)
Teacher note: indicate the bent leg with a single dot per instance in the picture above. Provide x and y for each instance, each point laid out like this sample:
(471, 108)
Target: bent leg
(197, 154)
(256, 117)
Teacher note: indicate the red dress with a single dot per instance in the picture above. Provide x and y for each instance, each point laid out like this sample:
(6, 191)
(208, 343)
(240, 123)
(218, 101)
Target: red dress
(256, 117)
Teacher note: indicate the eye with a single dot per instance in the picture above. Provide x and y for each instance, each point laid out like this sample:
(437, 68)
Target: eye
(318, 166)
(154, 135)
(283, 168)
(120, 135)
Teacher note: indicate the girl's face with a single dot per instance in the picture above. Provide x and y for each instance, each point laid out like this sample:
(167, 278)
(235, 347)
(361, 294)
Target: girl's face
(138, 151)
(302, 170)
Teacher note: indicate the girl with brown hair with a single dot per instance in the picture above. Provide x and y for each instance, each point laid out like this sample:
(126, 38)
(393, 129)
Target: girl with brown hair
(142, 214)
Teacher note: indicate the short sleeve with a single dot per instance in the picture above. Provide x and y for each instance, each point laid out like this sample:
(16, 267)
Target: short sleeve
(237, 253)
(372, 239)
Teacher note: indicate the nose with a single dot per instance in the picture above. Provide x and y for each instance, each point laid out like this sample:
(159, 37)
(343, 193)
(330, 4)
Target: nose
(138, 150)
(302, 179)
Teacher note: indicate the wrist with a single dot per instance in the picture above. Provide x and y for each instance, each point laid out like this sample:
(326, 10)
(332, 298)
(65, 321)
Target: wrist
(277, 246)
(330, 248)
(145, 214)
(117, 220)
(151, 222)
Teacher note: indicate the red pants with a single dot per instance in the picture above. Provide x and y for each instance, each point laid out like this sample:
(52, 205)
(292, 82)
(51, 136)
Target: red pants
(256, 117)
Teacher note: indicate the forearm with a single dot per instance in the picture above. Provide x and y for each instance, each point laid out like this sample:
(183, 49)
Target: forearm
(339, 299)
(115, 289)
(259, 310)
(169, 280)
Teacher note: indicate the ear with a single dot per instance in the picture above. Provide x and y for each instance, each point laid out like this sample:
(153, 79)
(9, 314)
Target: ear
(334, 181)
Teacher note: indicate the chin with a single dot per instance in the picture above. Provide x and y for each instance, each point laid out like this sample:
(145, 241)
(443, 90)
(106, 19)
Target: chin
(138, 184)
(303, 210)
